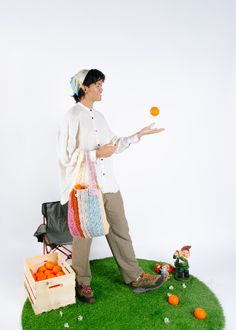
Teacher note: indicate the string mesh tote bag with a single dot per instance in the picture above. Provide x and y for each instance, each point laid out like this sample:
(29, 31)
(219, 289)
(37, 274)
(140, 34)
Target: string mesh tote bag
(86, 213)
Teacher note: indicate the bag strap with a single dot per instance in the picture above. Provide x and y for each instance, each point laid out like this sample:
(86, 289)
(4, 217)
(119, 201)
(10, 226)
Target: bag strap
(93, 183)
(80, 167)
(81, 173)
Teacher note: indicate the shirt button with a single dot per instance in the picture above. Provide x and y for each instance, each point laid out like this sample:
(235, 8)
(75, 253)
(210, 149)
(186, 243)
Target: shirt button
(92, 117)
(103, 173)
(101, 158)
(98, 144)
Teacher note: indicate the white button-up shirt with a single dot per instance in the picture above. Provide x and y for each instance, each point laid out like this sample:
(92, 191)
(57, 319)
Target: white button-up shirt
(85, 129)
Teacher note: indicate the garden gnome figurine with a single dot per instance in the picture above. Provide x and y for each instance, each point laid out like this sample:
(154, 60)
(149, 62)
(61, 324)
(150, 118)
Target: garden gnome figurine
(181, 263)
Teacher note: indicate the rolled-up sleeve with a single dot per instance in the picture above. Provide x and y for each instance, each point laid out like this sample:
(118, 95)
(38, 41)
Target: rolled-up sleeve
(124, 142)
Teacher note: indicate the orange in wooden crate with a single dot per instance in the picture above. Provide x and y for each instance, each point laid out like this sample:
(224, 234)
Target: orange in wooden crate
(42, 269)
(60, 274)
(56, 269)
(48, 270)
(40, 276)
(53, 292)
(50, 265)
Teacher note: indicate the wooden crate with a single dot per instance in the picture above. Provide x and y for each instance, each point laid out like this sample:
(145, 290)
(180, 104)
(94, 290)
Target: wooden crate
(51, 293)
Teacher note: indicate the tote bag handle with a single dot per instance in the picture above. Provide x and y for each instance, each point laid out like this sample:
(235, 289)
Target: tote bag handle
(91, 172)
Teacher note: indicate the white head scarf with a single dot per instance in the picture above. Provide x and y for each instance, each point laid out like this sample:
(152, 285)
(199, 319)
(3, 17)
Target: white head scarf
(77, 80)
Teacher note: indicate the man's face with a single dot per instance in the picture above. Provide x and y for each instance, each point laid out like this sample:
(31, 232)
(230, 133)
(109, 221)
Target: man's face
(94, 91)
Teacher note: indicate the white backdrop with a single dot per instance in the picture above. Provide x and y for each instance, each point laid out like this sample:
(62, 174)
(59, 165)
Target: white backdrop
(178, 186)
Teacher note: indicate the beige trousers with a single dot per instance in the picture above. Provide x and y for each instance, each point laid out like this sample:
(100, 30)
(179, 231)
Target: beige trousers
(118, 239)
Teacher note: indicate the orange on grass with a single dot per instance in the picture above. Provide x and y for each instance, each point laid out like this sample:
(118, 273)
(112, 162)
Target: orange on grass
(200, 313)
(173, 300)
(49, 265)
(154, 111)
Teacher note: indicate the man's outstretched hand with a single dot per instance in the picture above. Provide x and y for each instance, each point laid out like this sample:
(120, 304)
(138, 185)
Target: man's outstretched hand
(149, 130)
(107, 150)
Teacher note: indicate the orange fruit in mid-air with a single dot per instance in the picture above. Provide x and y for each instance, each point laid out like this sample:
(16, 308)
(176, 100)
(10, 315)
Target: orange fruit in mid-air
(200, 313)
(154, 111)
(173, 300)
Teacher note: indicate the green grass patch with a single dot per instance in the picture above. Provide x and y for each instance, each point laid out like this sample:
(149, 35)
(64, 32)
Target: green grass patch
(117, 307)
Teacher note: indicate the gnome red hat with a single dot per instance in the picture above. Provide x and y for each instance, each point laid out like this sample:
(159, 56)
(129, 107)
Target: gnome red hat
(186, 247)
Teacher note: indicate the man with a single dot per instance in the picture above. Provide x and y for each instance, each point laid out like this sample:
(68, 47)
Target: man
(85, 129)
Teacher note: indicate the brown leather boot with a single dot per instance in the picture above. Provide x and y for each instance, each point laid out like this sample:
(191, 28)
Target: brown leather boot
(85, 293)
(147, 282)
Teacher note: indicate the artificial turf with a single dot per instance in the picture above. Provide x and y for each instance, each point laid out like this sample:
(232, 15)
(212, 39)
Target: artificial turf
(117, 307)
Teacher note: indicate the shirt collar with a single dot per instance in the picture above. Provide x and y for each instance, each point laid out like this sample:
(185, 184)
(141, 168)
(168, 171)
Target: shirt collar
(84, 107)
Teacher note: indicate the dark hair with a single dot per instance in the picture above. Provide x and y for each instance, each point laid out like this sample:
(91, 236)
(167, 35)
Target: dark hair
(92, 77)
